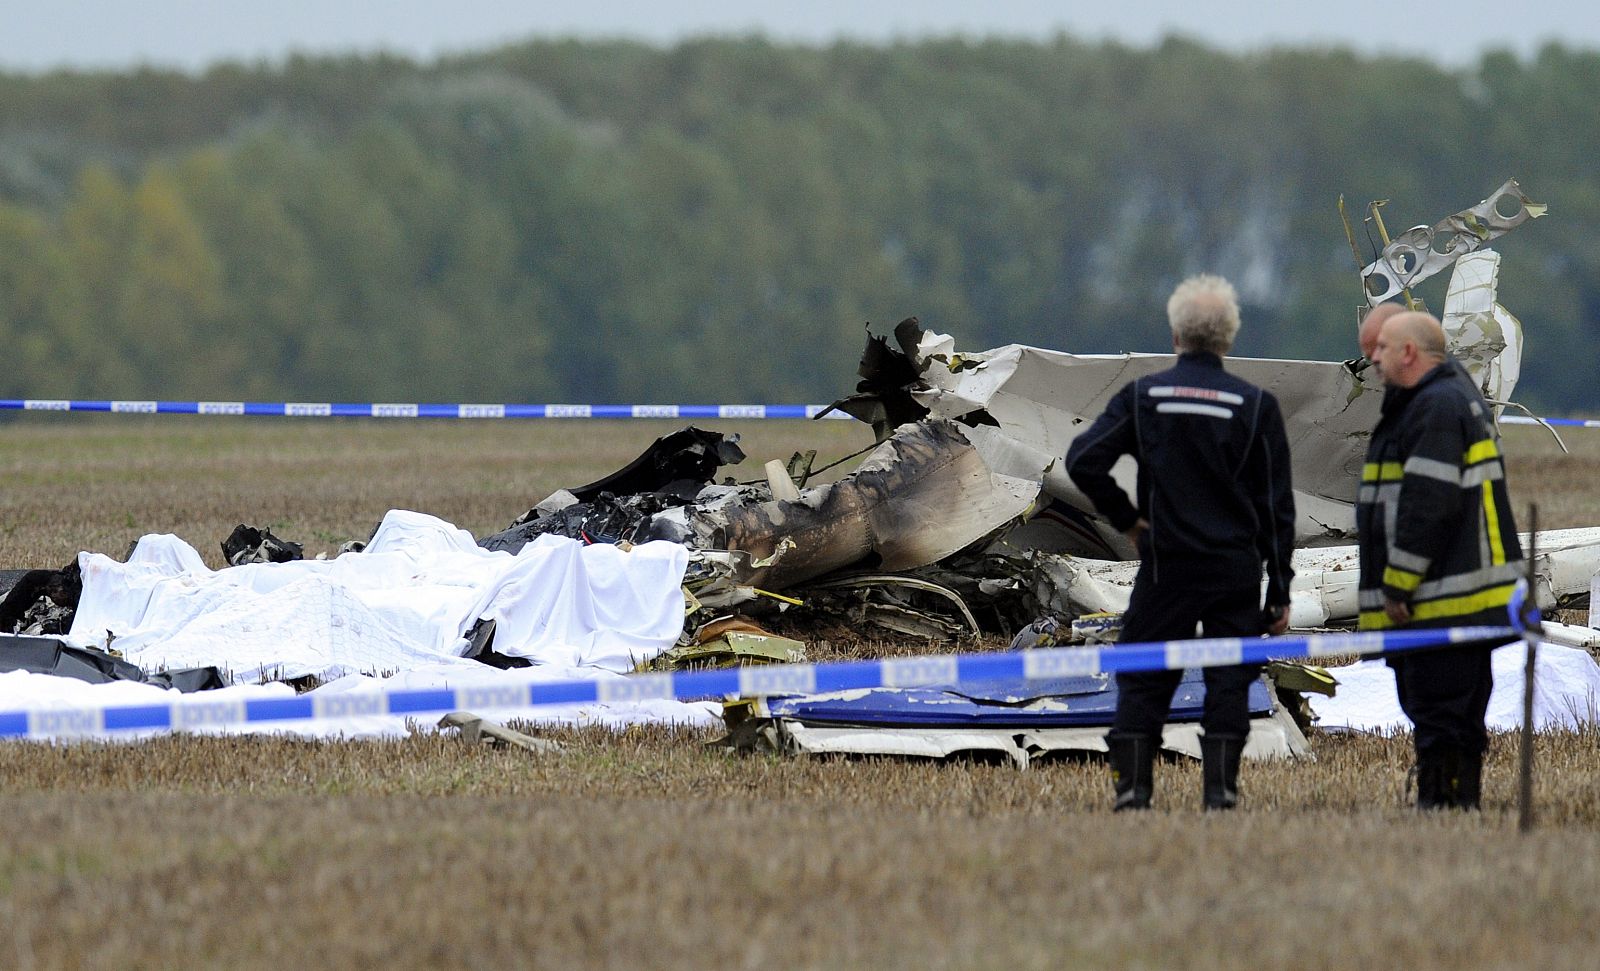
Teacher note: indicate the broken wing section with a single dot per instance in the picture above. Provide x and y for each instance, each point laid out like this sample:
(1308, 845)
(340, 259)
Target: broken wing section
(1041, 400)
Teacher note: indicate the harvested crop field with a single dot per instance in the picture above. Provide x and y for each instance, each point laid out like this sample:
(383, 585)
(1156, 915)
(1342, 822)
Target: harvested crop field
(651, 848)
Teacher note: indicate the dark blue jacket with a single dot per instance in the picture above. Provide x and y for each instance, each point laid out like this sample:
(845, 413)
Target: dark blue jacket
(1433, 512)
(1214, 479)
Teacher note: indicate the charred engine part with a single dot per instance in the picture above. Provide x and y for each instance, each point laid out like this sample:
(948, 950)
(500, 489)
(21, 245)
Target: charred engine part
(41, 601)
(250, 544)
(895, 602)
(922, 495)
(604, 519)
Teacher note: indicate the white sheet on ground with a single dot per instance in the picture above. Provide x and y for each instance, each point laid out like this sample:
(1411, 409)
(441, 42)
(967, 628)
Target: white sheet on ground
(1566, 692)
(405, 602)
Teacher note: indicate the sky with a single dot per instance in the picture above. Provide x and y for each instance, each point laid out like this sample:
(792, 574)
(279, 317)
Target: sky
(41, 35)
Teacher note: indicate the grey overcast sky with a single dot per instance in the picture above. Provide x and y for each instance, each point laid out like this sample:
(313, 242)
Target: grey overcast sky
(38, 35)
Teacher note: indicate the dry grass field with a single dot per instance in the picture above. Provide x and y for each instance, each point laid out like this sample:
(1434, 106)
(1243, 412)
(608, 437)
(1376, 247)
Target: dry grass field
(650, 848)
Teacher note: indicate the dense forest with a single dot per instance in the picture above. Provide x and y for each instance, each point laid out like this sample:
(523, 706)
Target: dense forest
(718, 221)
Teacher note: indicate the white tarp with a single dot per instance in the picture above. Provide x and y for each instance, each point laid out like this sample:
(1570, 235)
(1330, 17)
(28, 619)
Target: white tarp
(405, 602)
(390, 618)
(1566, 692)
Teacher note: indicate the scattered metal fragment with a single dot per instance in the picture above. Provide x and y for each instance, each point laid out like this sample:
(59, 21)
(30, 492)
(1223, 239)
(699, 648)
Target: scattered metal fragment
(475, 729)
(730, 648)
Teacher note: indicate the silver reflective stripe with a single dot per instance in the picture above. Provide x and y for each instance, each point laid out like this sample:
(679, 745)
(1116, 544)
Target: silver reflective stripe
(1369, 599)
(1369, 493)
(1183, 408)
(1458, 583)
(1203, 394)
(1479, 474)
(1410, 562)
(1433, 469)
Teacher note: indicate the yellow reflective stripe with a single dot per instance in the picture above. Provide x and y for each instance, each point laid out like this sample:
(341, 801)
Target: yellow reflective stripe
(1393, 576)
(1460, 606)
(1491, 522)
(1382, 472)
(1374, 620)
(1479, 451)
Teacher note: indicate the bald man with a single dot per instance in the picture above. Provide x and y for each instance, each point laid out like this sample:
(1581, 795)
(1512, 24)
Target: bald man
(1367, 334)
(1438, 547)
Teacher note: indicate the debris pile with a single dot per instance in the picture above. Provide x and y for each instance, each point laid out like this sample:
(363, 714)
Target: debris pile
(959, 522)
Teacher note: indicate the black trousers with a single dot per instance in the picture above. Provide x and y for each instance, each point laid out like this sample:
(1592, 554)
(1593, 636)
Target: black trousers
(1169, 612)
(1445, 693)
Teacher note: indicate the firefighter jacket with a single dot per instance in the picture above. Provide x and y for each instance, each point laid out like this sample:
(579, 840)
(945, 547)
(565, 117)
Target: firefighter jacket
(1213, 482)
(1433, 511)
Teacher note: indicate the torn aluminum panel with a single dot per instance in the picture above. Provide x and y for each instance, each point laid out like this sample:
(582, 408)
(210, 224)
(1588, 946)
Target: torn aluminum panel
(1482, 335)
(1422, 251)
(1041, 399)
(1323, 593)
(921, 495)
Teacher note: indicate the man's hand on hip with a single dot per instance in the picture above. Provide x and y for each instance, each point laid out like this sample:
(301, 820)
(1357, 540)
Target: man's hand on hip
(1398, 611)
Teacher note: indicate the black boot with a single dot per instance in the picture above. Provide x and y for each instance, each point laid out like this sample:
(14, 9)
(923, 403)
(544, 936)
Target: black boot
(1437, 769)
(1219, 768)
(1133, 761)
(1469, 781)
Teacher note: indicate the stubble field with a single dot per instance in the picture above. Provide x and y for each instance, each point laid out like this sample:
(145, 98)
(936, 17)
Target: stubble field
(649, 848)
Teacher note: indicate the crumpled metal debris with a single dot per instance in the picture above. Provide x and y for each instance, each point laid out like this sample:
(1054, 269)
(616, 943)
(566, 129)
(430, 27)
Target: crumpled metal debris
(899, 603)
(475, 729)
(1482, 335)
(924, 493)
(1422, 251)
(40, 602)
(254, 544)
(672, 472)
(729, 642)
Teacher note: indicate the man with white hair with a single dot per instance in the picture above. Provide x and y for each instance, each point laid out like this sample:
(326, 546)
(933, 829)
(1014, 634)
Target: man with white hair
(1214, 505)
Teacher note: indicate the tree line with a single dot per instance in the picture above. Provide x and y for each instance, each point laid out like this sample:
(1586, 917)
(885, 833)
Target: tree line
(719, 220)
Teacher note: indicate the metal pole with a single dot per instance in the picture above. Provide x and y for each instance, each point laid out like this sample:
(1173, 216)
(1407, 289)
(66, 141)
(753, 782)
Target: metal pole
(1530, 639)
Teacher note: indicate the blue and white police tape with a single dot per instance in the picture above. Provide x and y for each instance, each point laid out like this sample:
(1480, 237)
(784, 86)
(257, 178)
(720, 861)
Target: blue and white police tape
(1565, 422)
(335, 409)
(515, 691)
(326, 409)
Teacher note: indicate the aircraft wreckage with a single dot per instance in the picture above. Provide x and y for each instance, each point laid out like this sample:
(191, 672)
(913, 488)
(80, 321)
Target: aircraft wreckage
(959, 521)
